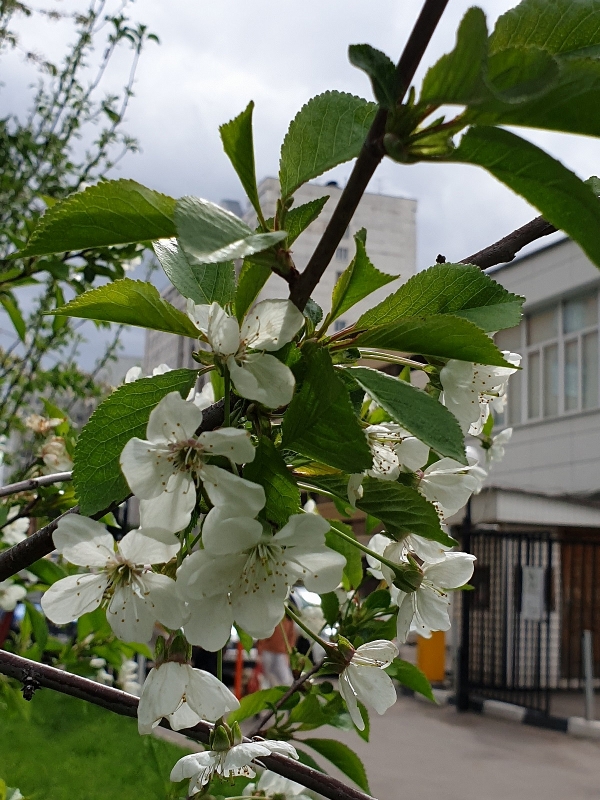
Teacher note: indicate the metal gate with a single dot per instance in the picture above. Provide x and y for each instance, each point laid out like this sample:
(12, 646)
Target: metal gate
(534, 595)
(507, 631)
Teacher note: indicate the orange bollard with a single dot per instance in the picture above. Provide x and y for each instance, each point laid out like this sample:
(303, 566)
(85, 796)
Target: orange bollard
(239, 671)
(431, 656)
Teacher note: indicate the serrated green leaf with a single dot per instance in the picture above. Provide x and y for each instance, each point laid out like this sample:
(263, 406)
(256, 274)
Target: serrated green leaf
(253, 277)
(343, 758)
(563, 199)
(238, 143)
(130, 302)
(411, 677)
(381, 71)
(109, 213)
(418, 412)
(460, 289)
(458, 77)
(442, 336)
(208, 234)
(329, 130)
(400, 508)
(358, 280)
(11, 307)
(562, 27)
(256, 702)
(202, 283)
(320, 422)
(97, 476)
(269, 470)
(353, 571)
(298, 219)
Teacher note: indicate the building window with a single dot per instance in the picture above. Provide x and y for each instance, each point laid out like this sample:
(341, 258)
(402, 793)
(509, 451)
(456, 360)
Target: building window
(341, 254)
(560, 372)
(338, 274)
(339, 325)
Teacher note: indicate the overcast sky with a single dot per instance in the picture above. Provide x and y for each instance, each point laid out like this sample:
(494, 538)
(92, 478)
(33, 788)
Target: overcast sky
(216, 56)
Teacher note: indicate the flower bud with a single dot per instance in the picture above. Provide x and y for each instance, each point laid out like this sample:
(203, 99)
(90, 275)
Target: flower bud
(220, 739)
(408, 577)
(236, 732)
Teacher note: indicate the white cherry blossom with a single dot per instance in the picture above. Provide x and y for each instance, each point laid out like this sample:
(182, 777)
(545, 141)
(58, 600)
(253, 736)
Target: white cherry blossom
(10, 594)
(184, 695)
(364, 679)
(55, 456)
(243, 574)
(425, 549)
(135, 373)
(236, 761)
(245, 349)
(469, 388)
(127, 679)
(427, 609)
(15, 531)
(392, 448)
(275, 787)
(495, 451)
(448, 484)
(136, 597)
(161, 470)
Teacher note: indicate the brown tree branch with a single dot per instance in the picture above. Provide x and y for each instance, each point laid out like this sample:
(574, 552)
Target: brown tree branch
(38, 545)
(126, 705)
(370, 157)
(504, 250)
(293, 688)
(34, 483)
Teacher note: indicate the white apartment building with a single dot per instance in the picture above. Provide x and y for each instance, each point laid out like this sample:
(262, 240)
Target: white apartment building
(391, 245)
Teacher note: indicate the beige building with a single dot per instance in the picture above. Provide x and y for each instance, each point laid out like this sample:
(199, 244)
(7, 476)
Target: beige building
(391, 246)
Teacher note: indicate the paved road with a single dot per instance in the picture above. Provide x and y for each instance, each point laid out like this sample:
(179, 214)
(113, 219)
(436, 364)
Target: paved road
(419, 752)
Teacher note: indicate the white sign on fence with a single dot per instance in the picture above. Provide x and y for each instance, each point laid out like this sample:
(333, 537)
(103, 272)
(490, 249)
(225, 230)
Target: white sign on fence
(533, 604)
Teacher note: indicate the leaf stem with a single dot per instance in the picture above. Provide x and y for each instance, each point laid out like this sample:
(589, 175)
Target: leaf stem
(390, 358)
(365, 549)
(327, 646)
(226, 398)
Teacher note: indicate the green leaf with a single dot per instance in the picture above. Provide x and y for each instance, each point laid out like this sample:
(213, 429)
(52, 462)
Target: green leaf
(253, 277)
(343, 758)
(238, 143)
(109, 213)
(47, 572)
(320, 422)
(39, 626)
(418, 412)
(330, 129)
(443, 336)
(269, 470)
(330, 606)
(208, 234)
(97, 476)
(131, 303)
(357, 281)
(353, 571)
(460, 289)
(410, 676)
(381, 71)
(12, 309)
(256, 702)
(202, 283)
(307, 759)
(562, 27)
(563, 199)
(400, 508)
(298, 219)
(245, 638)
(458, 76)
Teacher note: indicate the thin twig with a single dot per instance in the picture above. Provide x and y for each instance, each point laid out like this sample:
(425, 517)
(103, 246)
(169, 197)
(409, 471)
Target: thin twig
(293, 688)
(126, 705)
(369, 158)
(34, 483)
(504, 250)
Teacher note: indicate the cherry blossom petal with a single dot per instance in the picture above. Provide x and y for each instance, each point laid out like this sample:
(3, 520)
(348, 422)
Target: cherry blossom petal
(223, 331)
(455, 570)
(412, 453)
(162, 694)
(172, 509)
(73, 596)
(210, 622)
(203, 575)
(198, 314)
(321, 571)
(189, 766)
(173, 420)
(302, 528)
(222, 534)
(207, 696)
(130, 616)
(406, 613)
(147, 467)
(381, 652)
(233, 443)
(349, 697)
(239, 497)
(263, 378)
(271, 324)
(432, 611)
(163, 599)
(83, 541)
(259, 610)
(149, 546)
(373, 686)
(184, 717)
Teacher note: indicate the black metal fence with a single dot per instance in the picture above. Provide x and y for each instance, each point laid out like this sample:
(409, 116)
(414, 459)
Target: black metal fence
(522, 626)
